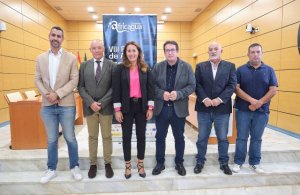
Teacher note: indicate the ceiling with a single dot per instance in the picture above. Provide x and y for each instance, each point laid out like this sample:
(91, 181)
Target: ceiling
(182, 10)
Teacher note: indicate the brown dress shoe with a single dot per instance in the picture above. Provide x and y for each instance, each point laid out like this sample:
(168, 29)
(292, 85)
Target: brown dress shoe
(93, 171)
(109, 173)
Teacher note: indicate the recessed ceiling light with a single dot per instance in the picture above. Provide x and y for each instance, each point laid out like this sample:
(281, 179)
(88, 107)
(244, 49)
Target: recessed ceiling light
(90, 9)
(95, 17)
(163, 17)
(168, 10)
(122, 9)
(137, 9)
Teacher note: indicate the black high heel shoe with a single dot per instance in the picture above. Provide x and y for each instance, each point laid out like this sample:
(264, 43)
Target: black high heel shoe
(127, 168)
(140, 166)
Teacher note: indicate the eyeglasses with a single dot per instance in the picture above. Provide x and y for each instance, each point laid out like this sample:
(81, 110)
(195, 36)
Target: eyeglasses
(170, 50)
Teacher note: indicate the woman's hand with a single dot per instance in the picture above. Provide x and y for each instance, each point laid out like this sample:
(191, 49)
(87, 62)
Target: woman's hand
(149, 114)
(119, 116)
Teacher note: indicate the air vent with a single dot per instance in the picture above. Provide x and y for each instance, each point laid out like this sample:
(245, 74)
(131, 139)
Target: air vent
(198, 10)
(58, 8)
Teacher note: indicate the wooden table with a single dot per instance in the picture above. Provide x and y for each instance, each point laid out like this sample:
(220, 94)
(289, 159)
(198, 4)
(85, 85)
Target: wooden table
(26, 126)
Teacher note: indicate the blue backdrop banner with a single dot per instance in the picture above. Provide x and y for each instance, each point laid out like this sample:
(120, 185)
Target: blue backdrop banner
(120, 29)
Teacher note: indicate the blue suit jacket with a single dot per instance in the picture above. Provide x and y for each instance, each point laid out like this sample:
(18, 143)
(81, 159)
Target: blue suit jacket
(222, 86)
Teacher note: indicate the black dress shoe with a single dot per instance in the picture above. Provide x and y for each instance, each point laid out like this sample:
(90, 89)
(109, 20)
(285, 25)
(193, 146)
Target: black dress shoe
(180, 169)
(225, 168)
(158, 169)
(198, 168)
(109, 173)
(93, 171)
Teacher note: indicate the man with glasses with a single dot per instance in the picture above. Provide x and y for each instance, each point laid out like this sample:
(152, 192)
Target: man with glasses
(174, 82)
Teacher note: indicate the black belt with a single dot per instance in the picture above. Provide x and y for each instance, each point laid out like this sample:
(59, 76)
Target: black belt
(135, 100)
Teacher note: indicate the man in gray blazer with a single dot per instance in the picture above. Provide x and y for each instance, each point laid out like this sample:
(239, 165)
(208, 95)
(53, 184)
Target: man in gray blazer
(95, 82)
(174, 82)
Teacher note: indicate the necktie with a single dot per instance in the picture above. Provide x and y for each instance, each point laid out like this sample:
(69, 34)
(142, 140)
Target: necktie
(98, 72)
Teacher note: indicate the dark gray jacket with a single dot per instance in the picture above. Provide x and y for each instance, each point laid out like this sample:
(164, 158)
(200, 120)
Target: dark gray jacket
(185, 85)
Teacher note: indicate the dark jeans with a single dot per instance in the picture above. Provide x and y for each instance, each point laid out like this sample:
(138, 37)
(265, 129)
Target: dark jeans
(139, 117)
(168, 117)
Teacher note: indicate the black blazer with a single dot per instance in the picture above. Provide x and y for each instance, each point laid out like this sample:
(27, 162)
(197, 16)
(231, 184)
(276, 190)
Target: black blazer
(121, 88)
(222, 86)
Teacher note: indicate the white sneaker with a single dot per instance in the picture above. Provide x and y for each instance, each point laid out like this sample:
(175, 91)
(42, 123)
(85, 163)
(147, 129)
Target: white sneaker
(236, 168)
(76, 174)
(49, 174)
(256, 168)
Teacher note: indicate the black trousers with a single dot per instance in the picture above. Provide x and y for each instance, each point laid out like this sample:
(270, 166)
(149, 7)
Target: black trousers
(136, 115)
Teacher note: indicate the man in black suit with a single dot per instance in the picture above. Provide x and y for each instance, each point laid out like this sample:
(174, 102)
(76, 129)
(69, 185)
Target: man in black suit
(215, 84)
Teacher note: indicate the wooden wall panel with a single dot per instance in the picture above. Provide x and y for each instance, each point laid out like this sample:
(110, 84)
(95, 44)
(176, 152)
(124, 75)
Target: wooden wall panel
(270, 41)
(29, 67)
(31, 40)
(14, 4)
(4, 114)
(272, 58)
(6, 13)
(30, 26)
(267, 22)
(285, 105)
(13, 49)
(12, 65)
(290, 80)
(273, 117)
(290, 35)
(289, 122)
(30, 12)
(13, 33)
(1, 82)
(290, 58)
(291, 13)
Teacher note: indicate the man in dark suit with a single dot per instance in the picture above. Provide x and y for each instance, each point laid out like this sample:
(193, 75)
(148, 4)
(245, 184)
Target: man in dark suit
(215, 84)
(95, 88)
(174, 82)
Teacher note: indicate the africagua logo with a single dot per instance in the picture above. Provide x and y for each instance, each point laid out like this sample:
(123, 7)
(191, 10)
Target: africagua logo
(122, 27)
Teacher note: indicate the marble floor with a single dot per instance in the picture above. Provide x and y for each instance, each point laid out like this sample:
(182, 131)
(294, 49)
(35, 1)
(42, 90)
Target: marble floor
(272, 141)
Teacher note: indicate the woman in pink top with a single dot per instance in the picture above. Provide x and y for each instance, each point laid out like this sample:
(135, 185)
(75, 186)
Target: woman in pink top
(133, 98)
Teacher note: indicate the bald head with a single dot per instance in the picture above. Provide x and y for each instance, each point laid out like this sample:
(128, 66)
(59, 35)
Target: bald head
(97, 49)
(214, 51)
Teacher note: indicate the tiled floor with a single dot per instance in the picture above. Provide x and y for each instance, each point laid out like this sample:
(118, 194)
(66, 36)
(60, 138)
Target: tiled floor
(272, 141)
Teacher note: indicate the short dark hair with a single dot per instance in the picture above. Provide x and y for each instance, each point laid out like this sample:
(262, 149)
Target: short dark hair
(58, 28)
(254, 45)
(172, 43)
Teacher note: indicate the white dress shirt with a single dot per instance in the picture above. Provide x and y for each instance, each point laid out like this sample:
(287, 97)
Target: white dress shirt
(54, 61)
(214, 68)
